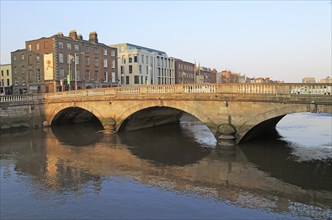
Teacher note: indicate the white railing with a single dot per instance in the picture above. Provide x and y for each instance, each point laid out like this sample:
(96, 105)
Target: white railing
(209, 88)
(160, 89)
(227, 88)
(15, 98)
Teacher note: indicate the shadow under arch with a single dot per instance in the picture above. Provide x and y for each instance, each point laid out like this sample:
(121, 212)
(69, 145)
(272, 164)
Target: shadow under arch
(173, 113)
(265, 123)
(75, 115)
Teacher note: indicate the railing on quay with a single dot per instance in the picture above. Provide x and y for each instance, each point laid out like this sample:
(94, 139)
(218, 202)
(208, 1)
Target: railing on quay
(227, 88)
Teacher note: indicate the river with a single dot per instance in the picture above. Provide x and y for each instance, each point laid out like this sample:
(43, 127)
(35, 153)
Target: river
(169, 172)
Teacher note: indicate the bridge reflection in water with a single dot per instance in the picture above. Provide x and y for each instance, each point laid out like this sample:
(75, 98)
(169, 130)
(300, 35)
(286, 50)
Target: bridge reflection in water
(172, 158)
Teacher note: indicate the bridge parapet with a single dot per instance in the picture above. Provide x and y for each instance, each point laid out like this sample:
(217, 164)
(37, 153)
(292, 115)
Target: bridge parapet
(15, 98)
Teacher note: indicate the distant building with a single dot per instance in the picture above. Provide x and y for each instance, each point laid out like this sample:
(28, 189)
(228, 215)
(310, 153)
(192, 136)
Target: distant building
(326, 80)
(206, 75)
(227, 76)
(139, 65)
(58, 63)
(184, 72)
(6, 79)
(308, 80)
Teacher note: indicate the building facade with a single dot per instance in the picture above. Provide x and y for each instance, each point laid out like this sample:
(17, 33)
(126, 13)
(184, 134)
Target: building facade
(309, 80)
(184, 72)
(6, 80)
(60, 63)
(206, 75)
(139, 65)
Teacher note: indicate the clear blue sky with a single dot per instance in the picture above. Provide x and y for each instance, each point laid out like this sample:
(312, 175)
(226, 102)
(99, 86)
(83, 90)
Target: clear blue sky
(285, 40)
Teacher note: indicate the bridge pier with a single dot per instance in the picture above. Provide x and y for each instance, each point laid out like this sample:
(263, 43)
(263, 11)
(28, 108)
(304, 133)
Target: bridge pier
(109, 125)
(226, 135)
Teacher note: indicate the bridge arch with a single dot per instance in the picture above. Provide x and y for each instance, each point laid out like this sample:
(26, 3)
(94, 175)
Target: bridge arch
(60, 109)
(266, 121)
(172, 105)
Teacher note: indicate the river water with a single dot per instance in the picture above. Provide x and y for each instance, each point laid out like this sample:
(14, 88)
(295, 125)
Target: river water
(170, 172)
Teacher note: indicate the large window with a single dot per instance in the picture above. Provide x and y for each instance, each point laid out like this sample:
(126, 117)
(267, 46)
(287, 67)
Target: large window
(68, 46)
(60, 58)
(113, 53)
(105, 62)
(136, 79)
(77, 48)
(96, 62)
(127, 79)
(122, 69)
(130, 69)
(113, 63)
(105, 52)
(136, 59)
(130, 58)
(60, 45)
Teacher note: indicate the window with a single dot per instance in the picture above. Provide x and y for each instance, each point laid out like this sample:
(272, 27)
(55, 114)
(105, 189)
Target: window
(105, 78)
(69, 58)
(113, 63)
(142, 58)
(30, 60)
(105, 52)
(96, 76)
(86, 49)
(62, 73)
(130, 69)
(96, 50)
(87, 75)
(105, 62)
(60, 58)
(122, 69)
(113, 53)
(123, 59)
(147, 60)
(146, 70)
(38, 58)
(136, 79)
(140, 69)
(7, 72)
(14, 58)
(60, 45)
(37, 46)
(8, 82)
(29, 46)
(38, 75)
(127, 79)
(68, 46)
(96, 62)
(87, 61)
(130, 58)
(135, 58)
(22, 57)
(1, 72)
(76, 48)
(113, 77)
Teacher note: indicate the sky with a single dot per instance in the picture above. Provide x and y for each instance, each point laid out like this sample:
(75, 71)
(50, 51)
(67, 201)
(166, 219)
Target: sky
(285, 40)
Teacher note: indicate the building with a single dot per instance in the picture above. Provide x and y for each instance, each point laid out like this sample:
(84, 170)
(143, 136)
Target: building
(326, 80)
(308, 80)
(6, 79)
(184, 72)
(139, 65)
(59, 63)
(206, 75)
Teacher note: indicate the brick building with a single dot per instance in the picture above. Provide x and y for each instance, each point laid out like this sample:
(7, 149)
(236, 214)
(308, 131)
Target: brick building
(206, 75)
(184, 72)
(58, 63)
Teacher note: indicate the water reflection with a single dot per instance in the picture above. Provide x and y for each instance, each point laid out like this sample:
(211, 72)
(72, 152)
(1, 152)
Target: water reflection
(259, 175)
(166, 145)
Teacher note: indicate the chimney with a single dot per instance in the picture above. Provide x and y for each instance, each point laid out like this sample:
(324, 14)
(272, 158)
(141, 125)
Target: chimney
(93, 37)
(60, 34)
(80, 37)
(73, 34)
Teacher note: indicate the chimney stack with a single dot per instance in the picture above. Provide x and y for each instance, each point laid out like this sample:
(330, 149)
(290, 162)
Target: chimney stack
(93, 37)
(60, 34)
(73, 34)
(80, 37)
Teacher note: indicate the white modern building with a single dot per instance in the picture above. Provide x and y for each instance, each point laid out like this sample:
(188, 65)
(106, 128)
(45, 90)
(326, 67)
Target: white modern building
(139, 65)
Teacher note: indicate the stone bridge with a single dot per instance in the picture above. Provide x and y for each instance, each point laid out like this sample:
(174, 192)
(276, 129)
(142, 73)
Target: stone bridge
(233, 112)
